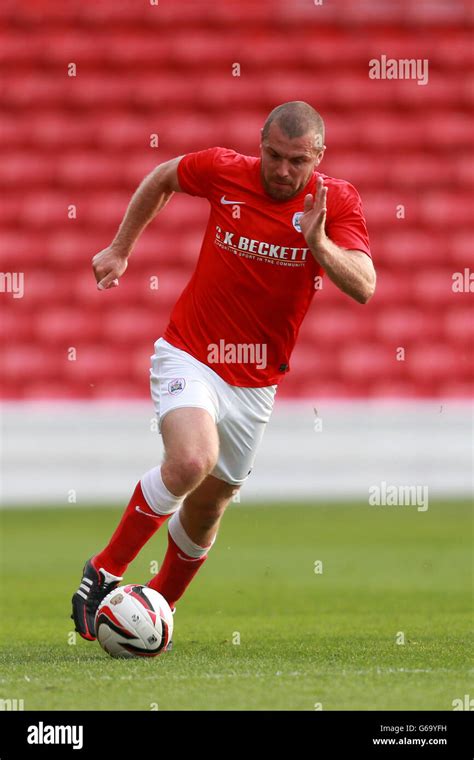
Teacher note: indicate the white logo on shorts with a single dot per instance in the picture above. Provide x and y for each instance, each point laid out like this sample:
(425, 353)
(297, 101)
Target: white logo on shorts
(296, 220)
(176, 386)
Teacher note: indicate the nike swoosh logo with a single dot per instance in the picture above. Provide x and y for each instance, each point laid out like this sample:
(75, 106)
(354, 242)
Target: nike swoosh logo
(231, 203)
(189, 559)
(137, 509)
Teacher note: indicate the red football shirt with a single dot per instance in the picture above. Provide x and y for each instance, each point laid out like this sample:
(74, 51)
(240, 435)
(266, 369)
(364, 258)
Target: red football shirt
(254, 280)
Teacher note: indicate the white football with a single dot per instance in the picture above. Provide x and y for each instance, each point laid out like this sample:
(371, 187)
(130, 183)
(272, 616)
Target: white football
(134, 621)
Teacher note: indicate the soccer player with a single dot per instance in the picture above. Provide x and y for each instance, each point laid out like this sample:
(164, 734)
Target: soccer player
(275, 225)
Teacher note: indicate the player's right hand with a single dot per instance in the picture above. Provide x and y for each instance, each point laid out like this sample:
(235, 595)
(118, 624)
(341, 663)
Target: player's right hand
(108, 266)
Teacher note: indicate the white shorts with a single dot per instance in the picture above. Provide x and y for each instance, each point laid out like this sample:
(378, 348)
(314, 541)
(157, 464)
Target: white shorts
(178, 379)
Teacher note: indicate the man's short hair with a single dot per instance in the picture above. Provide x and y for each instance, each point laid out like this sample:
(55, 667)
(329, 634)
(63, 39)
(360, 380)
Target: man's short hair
(296, 118)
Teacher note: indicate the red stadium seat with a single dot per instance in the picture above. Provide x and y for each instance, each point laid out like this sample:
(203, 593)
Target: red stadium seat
(442, 209)
(23, 248)
(382, 208)
(459, 249)
(436, 287)
(449, 129)
(364, 362)
(29, 168)
(459, 325)
(408, 247)
(15, 322)
(66, 326)
(44, 209)
(389, 290)
(124, 327)
(457, 389)
(25, 360)
(89, 168)
(422, 169)
(394, 389)
(355, 168)
(399, 326)
(58, 130)
(334, 327)
(436, 361)
(121, 391)
(54, 390)
(95, 364)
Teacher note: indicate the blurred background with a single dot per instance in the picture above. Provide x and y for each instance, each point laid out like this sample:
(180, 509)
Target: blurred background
(78, 424)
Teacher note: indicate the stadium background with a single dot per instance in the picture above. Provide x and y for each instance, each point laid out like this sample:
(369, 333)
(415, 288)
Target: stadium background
(349, 414)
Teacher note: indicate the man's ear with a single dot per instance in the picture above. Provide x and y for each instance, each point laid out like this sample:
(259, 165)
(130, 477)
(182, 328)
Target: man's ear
(320, 155)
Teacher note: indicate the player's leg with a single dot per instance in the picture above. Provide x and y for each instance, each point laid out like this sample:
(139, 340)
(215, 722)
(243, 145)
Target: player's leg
(193, 528)
(178, 389)
(191, 448)
(191, 533)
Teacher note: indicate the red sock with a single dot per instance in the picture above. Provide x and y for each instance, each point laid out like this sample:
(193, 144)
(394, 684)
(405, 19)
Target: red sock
(134, 530)
(176, 573)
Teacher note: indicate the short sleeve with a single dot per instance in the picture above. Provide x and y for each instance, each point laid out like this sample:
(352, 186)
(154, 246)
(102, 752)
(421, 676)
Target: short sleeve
(196, 172)
(345, 223)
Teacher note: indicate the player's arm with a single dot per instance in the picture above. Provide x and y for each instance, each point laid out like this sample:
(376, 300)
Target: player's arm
(149, 199)
(352, 271)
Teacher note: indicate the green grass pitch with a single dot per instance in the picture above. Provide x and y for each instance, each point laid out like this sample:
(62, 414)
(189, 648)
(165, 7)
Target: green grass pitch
(258, 629)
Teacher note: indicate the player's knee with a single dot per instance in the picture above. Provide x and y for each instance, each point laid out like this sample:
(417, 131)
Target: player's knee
(195, 465)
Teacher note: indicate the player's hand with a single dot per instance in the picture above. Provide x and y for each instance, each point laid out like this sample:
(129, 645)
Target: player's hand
(108, 266)
(313, 221)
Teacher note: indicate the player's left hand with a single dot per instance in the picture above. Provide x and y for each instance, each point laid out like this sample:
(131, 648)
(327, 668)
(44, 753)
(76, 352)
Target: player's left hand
(313, 221)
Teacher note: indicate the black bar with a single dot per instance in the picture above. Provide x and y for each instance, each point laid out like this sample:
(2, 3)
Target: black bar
(323, 734)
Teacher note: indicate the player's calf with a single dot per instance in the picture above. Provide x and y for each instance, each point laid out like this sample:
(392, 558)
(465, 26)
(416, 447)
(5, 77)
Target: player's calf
(202, 510)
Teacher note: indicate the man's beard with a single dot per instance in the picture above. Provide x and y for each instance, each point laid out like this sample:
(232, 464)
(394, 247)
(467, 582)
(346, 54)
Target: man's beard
(274, 191)
(279, 193)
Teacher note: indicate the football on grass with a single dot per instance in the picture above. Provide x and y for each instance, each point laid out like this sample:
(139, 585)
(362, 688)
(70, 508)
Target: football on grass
(134, 621)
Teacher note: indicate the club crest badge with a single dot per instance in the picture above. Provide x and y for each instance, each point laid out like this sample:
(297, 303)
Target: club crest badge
(296, 220)
(176, 386)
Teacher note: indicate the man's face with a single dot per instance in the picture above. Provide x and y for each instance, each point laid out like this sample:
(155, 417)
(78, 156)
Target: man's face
(287, 163)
